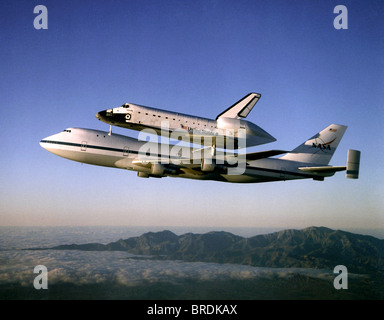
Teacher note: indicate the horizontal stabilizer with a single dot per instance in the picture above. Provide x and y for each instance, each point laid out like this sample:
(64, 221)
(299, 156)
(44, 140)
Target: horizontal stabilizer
(327, 169)
(242, 108)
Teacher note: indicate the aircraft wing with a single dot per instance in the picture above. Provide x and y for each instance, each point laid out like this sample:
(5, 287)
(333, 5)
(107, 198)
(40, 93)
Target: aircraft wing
(193, 165)
(264, 154)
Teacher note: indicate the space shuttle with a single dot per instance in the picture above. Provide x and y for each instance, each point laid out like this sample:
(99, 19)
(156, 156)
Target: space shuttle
(229, 130)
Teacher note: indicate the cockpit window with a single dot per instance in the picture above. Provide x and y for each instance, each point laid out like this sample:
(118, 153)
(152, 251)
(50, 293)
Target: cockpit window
(67, 130)
(125, 105)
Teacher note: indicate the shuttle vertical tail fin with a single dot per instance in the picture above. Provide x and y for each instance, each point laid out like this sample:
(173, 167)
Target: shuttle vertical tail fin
(241, 108)
(320, 148)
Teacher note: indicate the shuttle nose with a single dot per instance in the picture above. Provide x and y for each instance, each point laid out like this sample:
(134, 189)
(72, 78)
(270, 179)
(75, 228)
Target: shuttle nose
(106, 116)
(101, 115)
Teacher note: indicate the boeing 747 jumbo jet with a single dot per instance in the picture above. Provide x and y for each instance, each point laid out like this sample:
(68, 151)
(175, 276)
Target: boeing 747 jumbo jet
(224, 132)
(308, 161)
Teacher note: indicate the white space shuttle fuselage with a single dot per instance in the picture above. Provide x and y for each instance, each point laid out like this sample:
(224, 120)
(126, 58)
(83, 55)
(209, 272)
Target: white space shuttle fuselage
(228, 130)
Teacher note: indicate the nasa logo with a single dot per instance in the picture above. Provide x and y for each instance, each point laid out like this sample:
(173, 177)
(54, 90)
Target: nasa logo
(320, 146)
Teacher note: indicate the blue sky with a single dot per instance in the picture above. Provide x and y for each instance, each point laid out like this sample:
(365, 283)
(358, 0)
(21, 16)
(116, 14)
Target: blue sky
(194, 57)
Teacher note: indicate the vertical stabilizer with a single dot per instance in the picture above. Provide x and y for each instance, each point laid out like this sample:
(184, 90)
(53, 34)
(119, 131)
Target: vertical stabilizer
(320, 148)
(353, 164)
(241, 108)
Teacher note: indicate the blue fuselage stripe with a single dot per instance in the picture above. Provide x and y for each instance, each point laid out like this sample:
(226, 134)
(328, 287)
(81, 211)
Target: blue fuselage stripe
(71, 144)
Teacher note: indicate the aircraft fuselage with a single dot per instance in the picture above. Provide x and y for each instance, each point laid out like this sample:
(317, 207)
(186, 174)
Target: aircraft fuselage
(113, 150)
(201, 130)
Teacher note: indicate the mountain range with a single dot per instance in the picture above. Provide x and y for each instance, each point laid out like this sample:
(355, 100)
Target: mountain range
(313, 247)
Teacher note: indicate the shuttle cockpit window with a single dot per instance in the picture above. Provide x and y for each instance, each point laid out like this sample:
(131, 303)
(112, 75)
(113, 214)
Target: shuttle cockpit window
(67, 130)
(125, 105)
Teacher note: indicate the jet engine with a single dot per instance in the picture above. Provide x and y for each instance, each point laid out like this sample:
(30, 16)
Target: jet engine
(157, 169)
(142, 174)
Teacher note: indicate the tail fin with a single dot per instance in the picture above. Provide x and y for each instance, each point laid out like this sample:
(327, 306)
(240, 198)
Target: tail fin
(320, 148)
(241, 108)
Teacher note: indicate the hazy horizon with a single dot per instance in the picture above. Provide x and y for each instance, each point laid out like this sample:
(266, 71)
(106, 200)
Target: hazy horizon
(131, 231)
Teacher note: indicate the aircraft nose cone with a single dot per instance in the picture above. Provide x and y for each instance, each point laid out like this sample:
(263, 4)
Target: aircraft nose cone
(44, 143)
(106, 116)
(101, 115)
